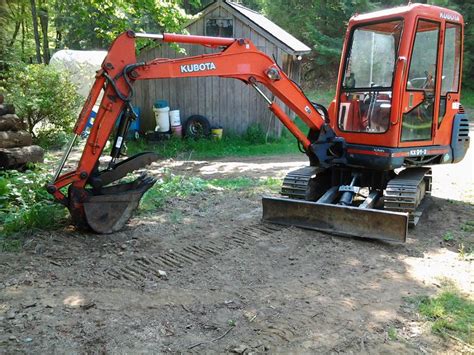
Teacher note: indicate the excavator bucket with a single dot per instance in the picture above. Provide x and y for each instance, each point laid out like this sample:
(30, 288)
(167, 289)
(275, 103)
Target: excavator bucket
(337, 219)
(108, 204)
(107, 208)
(110, 209)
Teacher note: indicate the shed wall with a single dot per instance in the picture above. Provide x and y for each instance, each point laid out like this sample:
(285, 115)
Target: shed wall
(225, 102)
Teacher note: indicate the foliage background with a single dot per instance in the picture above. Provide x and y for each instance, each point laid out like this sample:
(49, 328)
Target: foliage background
(31, 30)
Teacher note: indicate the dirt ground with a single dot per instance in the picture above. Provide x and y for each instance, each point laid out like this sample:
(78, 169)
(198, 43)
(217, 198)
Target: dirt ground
(204, 274)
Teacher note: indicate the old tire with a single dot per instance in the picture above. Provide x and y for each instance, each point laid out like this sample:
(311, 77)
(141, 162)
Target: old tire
(196, 127)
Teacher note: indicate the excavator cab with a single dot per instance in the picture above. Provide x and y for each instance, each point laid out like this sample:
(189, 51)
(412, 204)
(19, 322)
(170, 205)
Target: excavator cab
(398, 93)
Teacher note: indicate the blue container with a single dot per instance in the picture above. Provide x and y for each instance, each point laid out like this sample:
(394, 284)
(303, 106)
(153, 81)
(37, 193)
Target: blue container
(161, 104)
(133, 131)
(135, 125)
(91, 119)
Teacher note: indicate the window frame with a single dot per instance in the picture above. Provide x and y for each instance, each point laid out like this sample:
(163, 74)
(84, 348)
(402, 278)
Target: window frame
(219, 18)
(460, 57)
(413, 48)
(349, 51)
(445, 97)
(341, 89)
(439, 24)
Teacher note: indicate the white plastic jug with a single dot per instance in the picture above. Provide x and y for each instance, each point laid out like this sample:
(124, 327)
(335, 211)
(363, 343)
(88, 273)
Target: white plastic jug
(174, 118)
(162, 117)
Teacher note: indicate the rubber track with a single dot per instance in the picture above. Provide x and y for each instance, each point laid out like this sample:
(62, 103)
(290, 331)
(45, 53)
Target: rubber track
(296, 182)
(405, 192)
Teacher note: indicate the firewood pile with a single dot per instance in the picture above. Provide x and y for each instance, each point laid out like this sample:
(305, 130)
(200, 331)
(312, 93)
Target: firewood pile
(16, 143)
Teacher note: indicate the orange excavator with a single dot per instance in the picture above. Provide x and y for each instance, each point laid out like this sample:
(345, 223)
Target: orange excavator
(396, 111)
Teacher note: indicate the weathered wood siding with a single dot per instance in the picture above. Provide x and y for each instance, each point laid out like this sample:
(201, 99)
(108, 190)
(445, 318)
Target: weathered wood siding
(225, 102)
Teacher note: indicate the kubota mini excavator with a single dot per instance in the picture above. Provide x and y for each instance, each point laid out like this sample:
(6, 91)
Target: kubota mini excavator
(397, 109)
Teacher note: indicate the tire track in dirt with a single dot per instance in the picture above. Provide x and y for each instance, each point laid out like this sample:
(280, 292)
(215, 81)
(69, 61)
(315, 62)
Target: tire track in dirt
(307, 324)
(149, 267)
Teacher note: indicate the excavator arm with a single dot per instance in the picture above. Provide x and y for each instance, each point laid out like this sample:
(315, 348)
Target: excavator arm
(98, 207)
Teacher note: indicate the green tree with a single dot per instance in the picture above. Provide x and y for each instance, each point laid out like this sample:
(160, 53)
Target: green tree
(29, 27)
(320, 24)
(95, 23)
(43, 96)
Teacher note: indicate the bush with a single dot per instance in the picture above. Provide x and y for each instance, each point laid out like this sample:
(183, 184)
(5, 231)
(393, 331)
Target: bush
(25, 204)
(43, 96)
(255, 134)
(52, 138)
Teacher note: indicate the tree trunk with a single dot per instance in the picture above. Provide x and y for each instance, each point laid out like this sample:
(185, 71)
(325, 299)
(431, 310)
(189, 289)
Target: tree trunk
(23, 40)
(15, 33)
(43, 15)
(59, 38)
(3, 34)
(16, 157)
(35, 31)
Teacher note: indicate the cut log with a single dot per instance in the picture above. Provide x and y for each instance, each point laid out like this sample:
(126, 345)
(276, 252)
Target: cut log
(6, 109)
(11, 123)
(17, 157)
(11, 139)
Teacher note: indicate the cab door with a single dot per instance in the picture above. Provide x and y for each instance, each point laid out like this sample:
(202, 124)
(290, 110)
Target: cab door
(421, 95)
(450, 82)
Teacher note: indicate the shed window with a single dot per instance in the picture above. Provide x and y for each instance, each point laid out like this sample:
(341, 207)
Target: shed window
(218, 27)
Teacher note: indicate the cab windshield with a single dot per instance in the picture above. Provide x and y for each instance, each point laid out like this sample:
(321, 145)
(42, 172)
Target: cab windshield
(372, 56)
(365, 102)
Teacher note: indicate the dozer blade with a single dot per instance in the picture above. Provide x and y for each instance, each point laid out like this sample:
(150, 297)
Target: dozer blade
(109, 211)
(337, 219)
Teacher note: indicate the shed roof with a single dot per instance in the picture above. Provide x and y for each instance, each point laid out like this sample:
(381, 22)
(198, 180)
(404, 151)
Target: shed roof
(267, 28)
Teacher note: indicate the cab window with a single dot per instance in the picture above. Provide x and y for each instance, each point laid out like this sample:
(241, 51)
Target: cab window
(366, 95)
(418, 121)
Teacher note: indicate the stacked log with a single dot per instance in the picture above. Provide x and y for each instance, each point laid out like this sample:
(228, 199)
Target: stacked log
(16, 144)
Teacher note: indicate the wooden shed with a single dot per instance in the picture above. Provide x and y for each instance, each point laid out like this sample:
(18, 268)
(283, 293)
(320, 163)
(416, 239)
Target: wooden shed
(225, 102)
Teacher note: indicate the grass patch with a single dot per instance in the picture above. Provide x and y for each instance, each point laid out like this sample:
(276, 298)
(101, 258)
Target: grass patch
(207, 148)
(25, 205)
(174, 186)
(468, 226)
(448, 236)
(170, 186)
(450, 314)
(243, 183)
(392, 334)
(466, 253)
